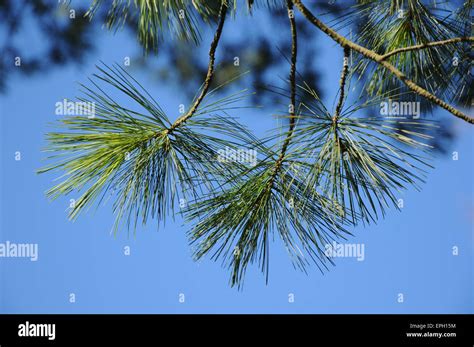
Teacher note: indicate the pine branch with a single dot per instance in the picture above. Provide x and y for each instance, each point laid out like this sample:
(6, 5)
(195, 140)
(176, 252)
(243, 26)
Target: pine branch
(210, 70)
(427, 45)
(342, 83)
(123, 152)
(292, 77)
(377, 58)
(385, 28)
(153, 17)
(360, 162)
(237, 222)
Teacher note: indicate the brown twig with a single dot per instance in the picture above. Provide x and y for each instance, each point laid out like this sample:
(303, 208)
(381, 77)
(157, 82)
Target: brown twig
(342, 84)
(210, 71)
(292, 78)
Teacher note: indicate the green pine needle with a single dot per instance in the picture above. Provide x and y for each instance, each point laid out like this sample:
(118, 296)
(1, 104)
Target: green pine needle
(362, 162)
(238, 223)
(390, 24)
(128, 153)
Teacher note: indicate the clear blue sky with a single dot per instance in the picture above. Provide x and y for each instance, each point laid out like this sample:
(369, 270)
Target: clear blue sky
(408, 252)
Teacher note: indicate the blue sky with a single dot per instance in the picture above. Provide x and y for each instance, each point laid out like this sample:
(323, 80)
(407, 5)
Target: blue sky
(409, 252)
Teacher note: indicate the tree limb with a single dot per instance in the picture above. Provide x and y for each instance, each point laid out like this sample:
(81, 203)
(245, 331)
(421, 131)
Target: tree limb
(344, 42)
(292, 77)
(427, 45)
(210, 70)
(342, 83)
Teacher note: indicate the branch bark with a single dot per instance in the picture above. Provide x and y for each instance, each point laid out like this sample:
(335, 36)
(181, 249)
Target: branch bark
(342, 83)
(427, 45)
(292, 78)
(344, 42)
(210, 70)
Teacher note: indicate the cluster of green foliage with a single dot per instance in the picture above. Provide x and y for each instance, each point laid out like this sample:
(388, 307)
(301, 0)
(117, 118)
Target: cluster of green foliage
(332, 170)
